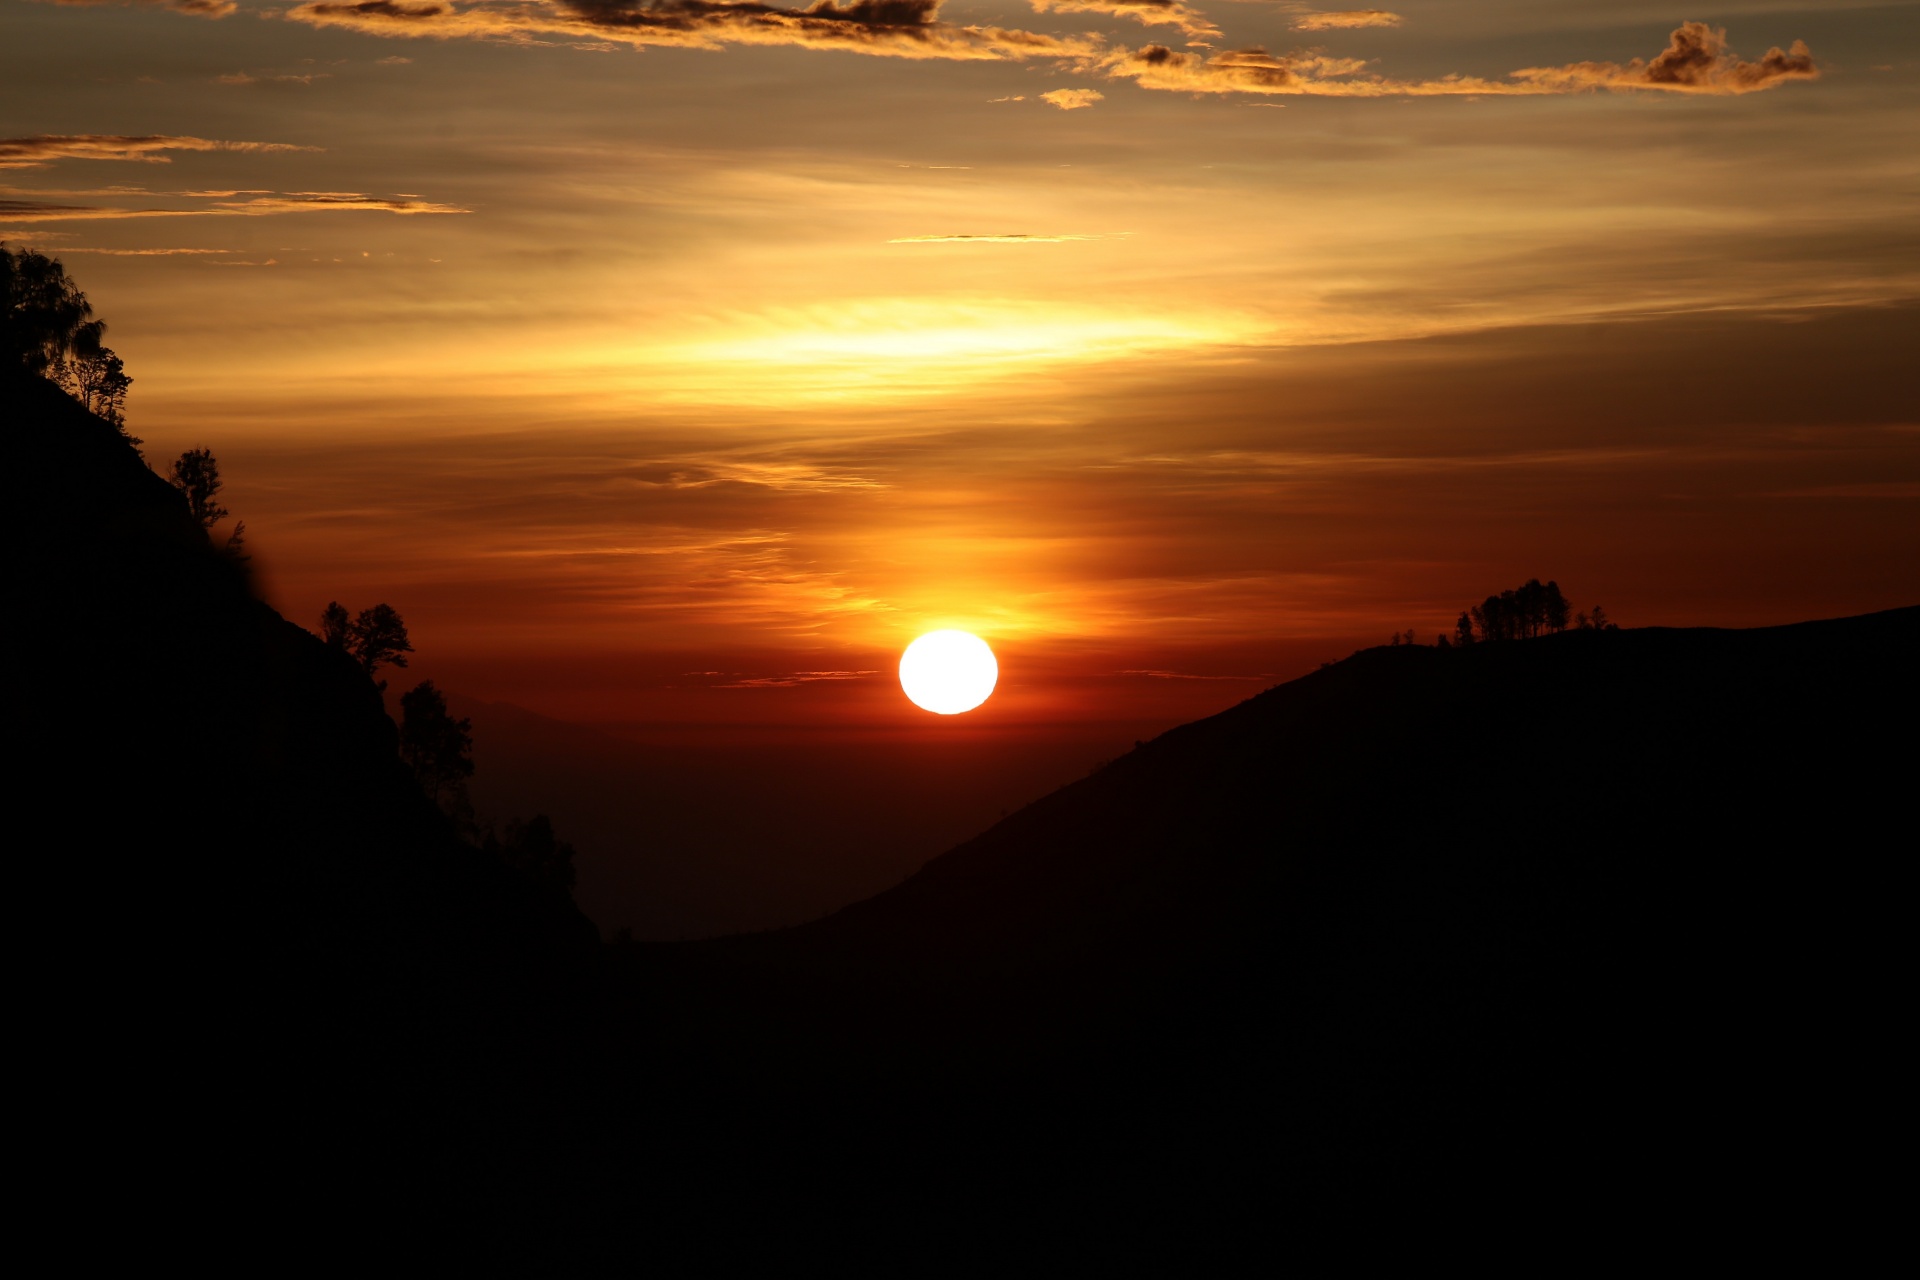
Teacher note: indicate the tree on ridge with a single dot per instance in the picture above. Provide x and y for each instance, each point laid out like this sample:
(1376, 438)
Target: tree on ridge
(335, 625)
(1517, 614)
(43, 313)
(196, 473)
(47, 329)
(437, 747)
(376, 638)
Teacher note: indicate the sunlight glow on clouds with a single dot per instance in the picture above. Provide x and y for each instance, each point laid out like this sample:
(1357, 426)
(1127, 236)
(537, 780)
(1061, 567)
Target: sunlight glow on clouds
(1696, 60)
(681, 348)
(1072, 99)
(1151, 13)
(41, 150)
(913, 346)
(883, 28)
(198, 8)
(1346, 20)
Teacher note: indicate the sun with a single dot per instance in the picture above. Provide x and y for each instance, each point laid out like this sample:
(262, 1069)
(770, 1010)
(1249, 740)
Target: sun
(947, 672)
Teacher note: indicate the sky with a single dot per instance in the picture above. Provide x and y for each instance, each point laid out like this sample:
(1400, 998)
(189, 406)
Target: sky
(670, 366)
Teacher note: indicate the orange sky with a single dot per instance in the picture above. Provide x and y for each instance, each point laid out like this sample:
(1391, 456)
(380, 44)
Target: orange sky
(675, 366)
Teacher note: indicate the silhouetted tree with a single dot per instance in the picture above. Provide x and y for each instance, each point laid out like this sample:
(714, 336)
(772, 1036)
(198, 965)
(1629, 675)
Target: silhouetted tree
(235, 546)
(1522, 613)
(1463, 629)
(531, 847)
(197, 474)
(47, 328)
(43, 312)
(99, 381)
(1597, 621)
(437, 747)
(379, 637)
(335, 625)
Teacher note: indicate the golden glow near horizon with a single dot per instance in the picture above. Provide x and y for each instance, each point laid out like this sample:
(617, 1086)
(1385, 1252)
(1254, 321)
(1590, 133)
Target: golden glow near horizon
(948, 672)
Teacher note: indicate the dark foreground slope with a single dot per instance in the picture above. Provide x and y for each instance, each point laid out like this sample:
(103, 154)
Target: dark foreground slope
(1614, 914)
(255, 943)
(1617, 920)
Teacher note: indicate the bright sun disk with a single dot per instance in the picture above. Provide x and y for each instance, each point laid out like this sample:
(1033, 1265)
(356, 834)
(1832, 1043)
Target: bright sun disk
(947, 672)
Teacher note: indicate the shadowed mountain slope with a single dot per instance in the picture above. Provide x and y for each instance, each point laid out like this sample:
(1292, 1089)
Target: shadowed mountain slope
(270, 940)
(1613, 919)
(1515, 912)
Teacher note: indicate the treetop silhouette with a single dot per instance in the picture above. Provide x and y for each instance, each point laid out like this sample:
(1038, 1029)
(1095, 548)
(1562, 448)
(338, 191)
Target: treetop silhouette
(376, 638)
(47, 329)
(196, 474)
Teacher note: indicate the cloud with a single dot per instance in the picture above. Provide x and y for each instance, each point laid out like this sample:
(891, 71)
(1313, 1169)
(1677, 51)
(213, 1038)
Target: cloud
(1005, 239)
(1152, 13)
(243, 78)
(1696, 60)
(395, 61)
(1346, 20)
(149, 253)
(43, 149)
(1252, 70)
(288, 202)
(787, 681)
(199, 8)
(883, 28)
(331, 201)
(1072, 99)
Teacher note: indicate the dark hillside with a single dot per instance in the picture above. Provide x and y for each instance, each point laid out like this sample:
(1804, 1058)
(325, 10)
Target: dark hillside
(266, 930)
(1609, 919)
(1520, 913)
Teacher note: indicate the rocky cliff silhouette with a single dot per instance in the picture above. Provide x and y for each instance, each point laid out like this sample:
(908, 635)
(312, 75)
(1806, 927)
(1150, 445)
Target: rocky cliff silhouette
(1593, 916)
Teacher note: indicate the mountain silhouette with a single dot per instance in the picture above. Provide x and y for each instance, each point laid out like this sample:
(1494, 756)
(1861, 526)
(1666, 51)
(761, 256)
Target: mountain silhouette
(268, 941)
(1610, 918)
(1516, 913)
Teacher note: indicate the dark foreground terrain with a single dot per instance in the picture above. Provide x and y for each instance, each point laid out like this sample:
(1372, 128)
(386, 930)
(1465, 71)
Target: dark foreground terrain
(1614, 922)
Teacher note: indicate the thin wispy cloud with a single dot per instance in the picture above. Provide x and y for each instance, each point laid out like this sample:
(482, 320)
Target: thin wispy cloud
(41, 150)
(247, 78)
(333, 201)
(1696, 60)
(789, 680)
(1346, 20)
(882, 28)
(198, 8)
(151, 253)
(259, 206)
(1152, 13)
(1001, 239)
